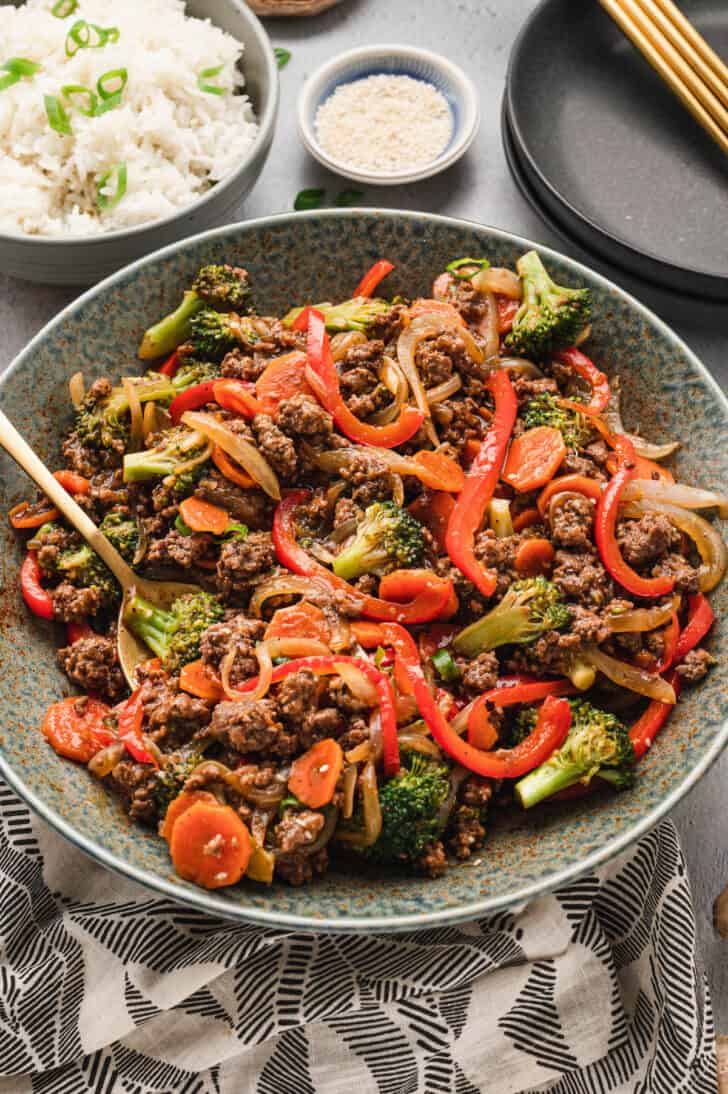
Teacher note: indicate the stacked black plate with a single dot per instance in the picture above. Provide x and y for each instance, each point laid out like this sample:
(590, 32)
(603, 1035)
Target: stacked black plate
(606, 154)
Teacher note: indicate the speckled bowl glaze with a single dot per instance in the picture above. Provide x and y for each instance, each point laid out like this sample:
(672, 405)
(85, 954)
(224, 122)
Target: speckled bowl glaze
(319, 256)
(84, 260)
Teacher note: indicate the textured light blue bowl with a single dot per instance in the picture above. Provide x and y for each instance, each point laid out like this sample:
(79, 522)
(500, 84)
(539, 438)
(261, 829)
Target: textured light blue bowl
(83, 260)
(668, 393)
(420, 64)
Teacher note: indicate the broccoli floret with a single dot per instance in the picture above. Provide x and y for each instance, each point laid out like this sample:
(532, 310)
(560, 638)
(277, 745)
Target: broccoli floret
(122, 532)
(173, 635)
(105, 424)
(194, 372)
(528, 608)
(220, 287)
(172, 777)
(355, 314)
(177, 448)
(225, 288)
(545, 410)
(387, 538)
(597, 744)
(81, 566)
(411, 804)
(550, 317)
(213, 334)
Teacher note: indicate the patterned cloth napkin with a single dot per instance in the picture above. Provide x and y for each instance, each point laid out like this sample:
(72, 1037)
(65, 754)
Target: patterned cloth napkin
(105, 989)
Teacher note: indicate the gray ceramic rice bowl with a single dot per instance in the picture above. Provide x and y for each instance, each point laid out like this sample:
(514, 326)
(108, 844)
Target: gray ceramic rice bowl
(320, 256)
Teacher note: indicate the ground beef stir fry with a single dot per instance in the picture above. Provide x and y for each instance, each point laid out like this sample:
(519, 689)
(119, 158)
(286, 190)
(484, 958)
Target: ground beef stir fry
(436, 578)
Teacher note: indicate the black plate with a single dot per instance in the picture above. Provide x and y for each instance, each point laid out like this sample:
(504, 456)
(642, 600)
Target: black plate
(609, 152)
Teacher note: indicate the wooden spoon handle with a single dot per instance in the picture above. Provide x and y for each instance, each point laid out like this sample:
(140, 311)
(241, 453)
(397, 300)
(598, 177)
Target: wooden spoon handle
(15, 445)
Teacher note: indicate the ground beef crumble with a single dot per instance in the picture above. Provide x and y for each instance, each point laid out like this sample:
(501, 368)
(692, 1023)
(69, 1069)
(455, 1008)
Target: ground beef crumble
(93, 664)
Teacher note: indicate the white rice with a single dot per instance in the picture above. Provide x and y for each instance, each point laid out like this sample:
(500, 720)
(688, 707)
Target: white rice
(175, 140)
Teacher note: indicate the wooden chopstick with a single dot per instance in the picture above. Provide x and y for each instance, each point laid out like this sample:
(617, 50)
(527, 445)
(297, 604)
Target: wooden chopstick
(693, 38)
(716, 79)
(707, 110)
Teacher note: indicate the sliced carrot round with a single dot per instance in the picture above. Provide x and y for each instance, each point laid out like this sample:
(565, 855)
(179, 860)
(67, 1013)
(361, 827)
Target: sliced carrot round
(533, 557)
(282, 378)
(534, 458)
(210, 845)
(299, 621)
(75, 727)
(230, 469)
(314, 775)
(180, 805)
(526, 519)
(201, 516)
(197, 678)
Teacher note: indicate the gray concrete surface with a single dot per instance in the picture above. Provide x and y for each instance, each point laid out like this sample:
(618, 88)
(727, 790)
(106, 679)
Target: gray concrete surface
(477, 34)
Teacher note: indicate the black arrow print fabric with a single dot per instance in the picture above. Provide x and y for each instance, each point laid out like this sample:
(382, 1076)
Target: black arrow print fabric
(105, 989)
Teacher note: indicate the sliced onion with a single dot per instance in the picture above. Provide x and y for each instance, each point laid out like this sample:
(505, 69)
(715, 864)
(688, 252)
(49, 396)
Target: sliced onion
(337, 458)
(155, 420)
(322, 554)
(630, 677)
(344, 341)
(342, 531)
(294, 584)
(359, 754)
(77, 389)
(444, 390)
(489, 329)
(297, 647)
(460, 721)
(348, 786)
(521, 367)
(375, 735)
(498, 279)
(393, 378)
(244, 453)
(136, 426)
(708, 541)
(341, 637)
(417, 742)
(397, 489)
(642, 619)
(265, 675)
(406, 708)
(371, 811)
(142, 543)
(499, 517)
(103, 763)
(676, 493)
(359, 686)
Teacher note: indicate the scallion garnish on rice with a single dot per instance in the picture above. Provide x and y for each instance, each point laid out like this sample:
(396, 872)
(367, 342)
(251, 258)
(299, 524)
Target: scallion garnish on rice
(16, 68)
(107, 78)
(57, 117)
(209, 73)
(108, 201)
(83, 35)
(72, 92)
(63, 8)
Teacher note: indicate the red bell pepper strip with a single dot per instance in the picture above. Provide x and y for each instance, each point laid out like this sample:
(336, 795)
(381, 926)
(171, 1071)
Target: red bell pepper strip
(191, 399)
(426, 605)
(129, 720)
(324, 379)
(583, 366)
(480, 482)
(480, 729)
(700, 619)
(549, 733)
(237, 396)
(170, 366)
(670, 639)
(604, 526)
(72, 483)
(35, 596)
(575, 484)
(301, 321)
(326, 666)
(646, 728)
(76, 631)
(372, 277)
(507, 309)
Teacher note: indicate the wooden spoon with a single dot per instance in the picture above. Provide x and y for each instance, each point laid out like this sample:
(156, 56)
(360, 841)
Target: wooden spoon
(160, 593)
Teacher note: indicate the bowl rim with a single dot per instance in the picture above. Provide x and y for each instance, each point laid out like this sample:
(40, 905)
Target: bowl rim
(467, 93)
(266, 124)
(207, 901)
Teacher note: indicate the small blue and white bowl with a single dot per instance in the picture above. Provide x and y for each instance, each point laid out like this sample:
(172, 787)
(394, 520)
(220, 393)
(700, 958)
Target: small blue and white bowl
(420, 64)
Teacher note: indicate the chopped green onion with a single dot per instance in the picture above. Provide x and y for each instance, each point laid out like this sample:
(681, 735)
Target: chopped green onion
(57, 117)
(282, 56)
(308, 199)
(70, 90)
(236, 531)
(379, 654)
(445, 666)
(182, 528)
(453, 267)
(348, 197)
(103, 200)
(16, 68)
(80, 37)
(120, 74)
(64, 8)
(206, 74)
(108, 104)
